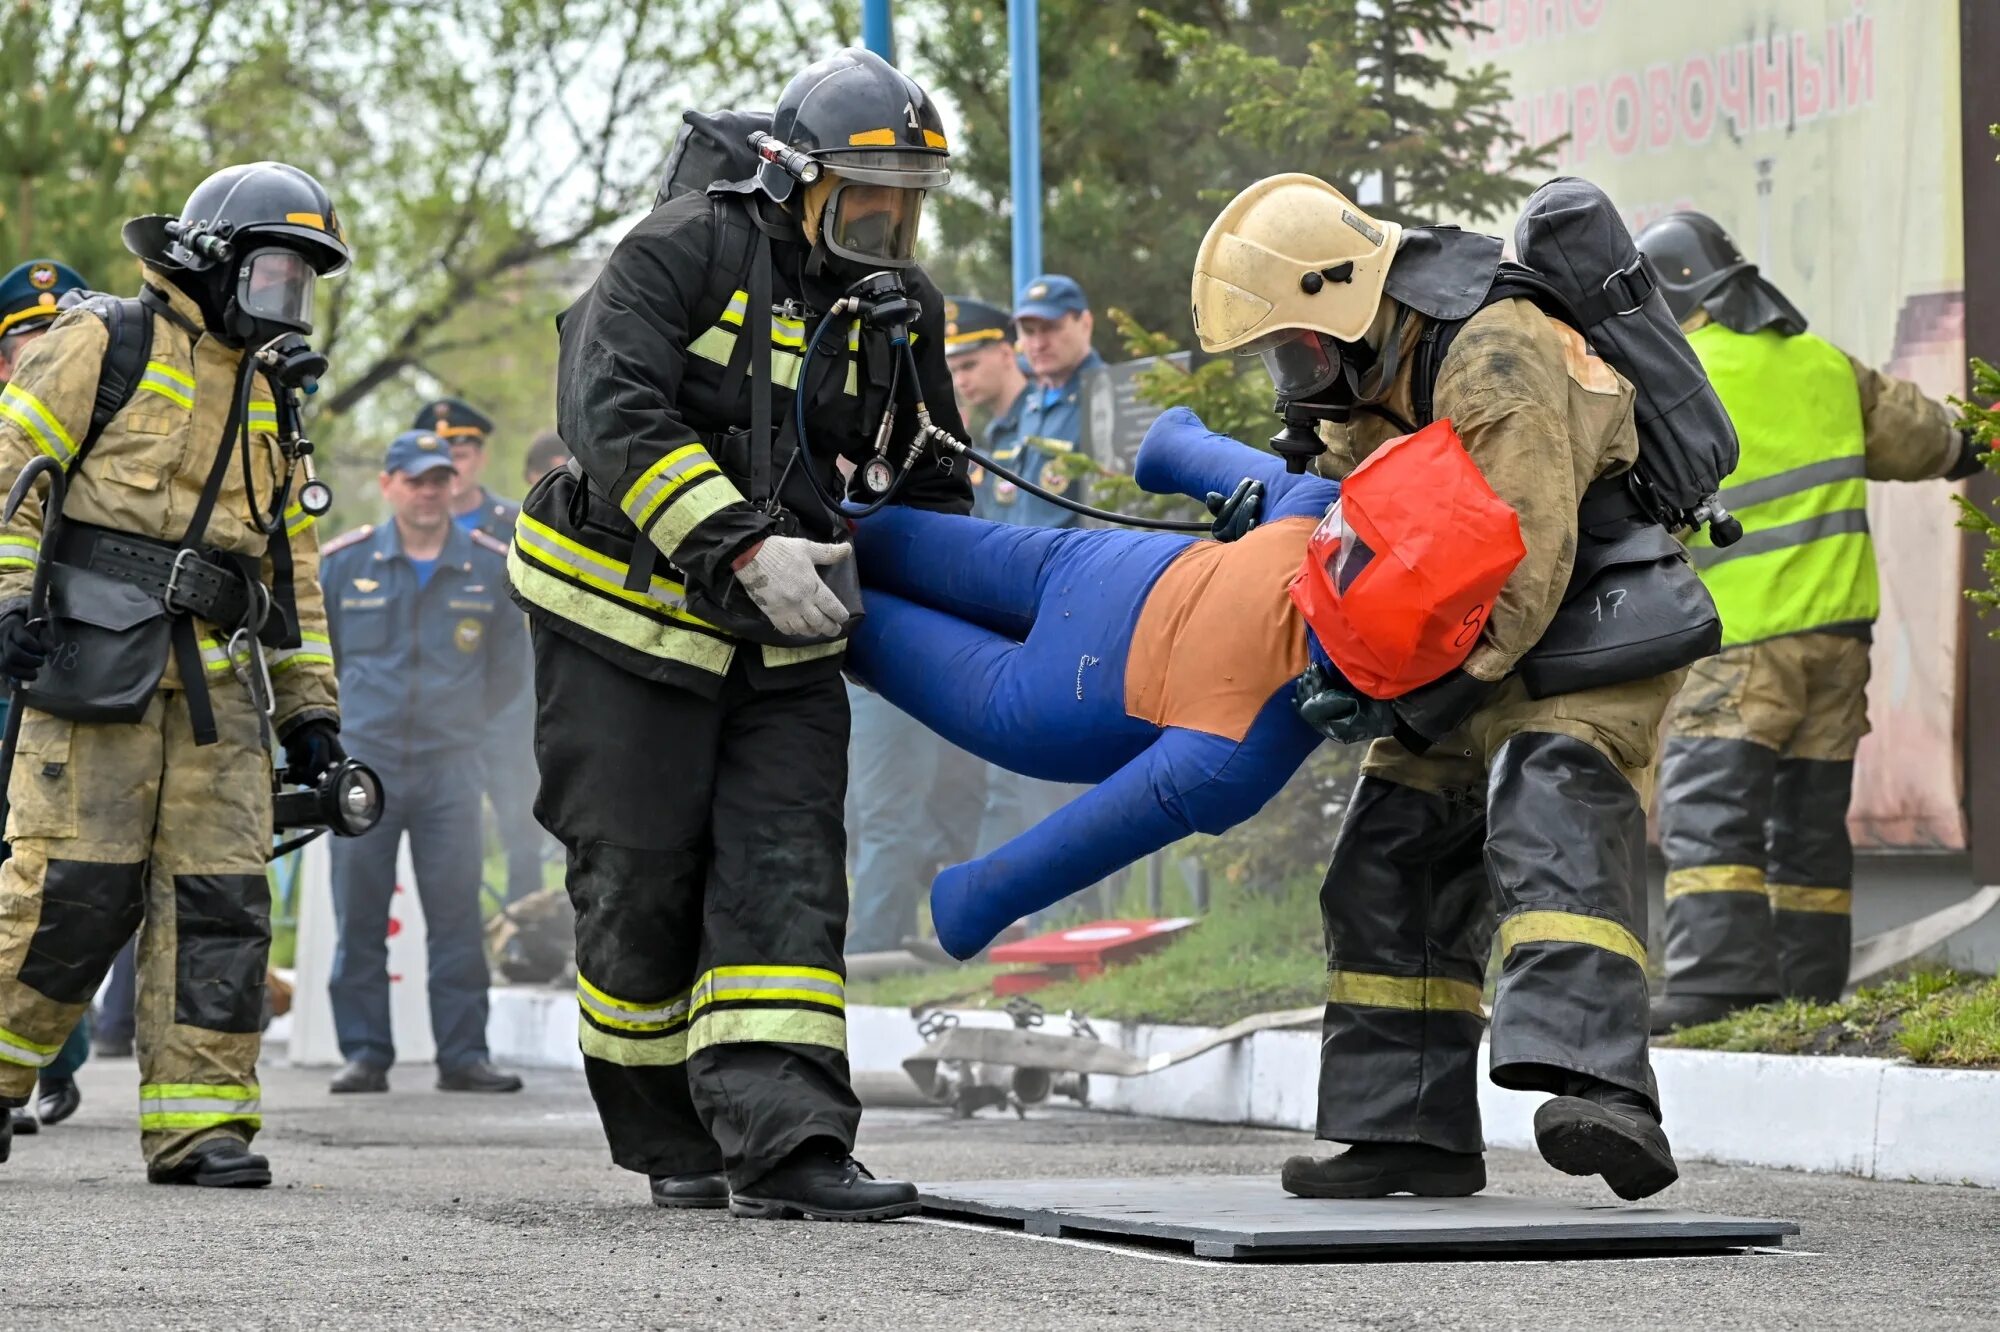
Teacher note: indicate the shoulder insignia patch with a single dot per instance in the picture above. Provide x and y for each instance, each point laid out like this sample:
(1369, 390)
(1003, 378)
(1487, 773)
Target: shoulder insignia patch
(485, 542)
(346, 539)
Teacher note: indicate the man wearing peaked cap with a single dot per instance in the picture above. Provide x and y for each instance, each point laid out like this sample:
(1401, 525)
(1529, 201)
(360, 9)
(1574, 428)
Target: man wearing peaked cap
(429, 648)
(29, 302)
(507, 751)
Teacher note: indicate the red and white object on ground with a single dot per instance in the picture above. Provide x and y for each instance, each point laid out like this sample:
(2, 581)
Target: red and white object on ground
(1082, 952)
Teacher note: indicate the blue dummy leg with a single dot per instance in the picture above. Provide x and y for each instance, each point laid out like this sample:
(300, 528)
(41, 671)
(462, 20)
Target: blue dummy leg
(1181, 456)
(1186, 782)
(986, 573)
(1009, 703)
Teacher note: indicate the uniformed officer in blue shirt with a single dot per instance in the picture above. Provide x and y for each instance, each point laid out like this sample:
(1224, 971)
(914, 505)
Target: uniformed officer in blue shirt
(428, 646)
(1053, 324)
(508, 750)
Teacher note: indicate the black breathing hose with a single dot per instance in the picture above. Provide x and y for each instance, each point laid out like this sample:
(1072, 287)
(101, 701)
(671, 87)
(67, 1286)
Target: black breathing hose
(945, 440)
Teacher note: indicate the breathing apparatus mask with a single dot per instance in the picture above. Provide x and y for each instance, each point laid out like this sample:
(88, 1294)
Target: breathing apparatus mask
(1322, 378)
(867, 218)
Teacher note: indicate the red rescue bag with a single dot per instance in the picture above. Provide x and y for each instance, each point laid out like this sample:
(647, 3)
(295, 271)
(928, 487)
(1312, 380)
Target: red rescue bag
(1401, 574)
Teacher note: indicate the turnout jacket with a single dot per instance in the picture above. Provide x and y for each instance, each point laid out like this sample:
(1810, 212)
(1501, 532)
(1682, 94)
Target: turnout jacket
(145, 475)
(654, 401)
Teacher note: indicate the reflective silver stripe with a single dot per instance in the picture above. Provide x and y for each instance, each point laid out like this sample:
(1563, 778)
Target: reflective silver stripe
(658, 483)
(198, 1105)
(739, 305)
(19, 549)
(635, 1017)
(1843, 523)
(725, 983)
(158, 380)
(1795, 479)
(20, 1050)
(24, 409)
(607, 575)
(313, 649)
(264, 416)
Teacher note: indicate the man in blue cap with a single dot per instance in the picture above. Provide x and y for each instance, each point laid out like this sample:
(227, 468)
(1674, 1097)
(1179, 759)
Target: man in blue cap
(29, 297)
(428, 648)
(508, 748)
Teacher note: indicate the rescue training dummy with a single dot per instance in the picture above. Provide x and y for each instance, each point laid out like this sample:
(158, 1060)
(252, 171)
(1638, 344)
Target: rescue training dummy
(1159, 668)
(1515, 784)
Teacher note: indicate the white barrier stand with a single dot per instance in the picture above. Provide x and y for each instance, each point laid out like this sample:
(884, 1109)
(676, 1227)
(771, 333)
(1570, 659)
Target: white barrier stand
(313, 1041)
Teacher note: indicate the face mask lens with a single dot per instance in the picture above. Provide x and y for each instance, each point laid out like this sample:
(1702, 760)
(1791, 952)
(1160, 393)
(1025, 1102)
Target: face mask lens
(1299, 362)
(276, 287)
(874, 224)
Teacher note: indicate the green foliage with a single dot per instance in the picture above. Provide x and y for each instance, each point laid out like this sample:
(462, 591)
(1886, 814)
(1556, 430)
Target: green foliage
(1933, 1016)
(1984, 422)
(1154, 114)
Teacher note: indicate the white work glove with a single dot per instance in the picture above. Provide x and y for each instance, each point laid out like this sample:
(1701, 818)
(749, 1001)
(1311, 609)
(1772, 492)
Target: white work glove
(782, 578)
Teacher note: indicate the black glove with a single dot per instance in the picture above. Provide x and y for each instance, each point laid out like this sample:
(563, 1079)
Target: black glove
(1972, 455)
(1429, 713)
(25, 645)
(1343, 714)
(1238, 513)
(310, 749)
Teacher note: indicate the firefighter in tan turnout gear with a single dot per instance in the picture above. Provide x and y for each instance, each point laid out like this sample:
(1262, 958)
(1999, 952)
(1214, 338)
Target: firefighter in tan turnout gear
(1758, 766)
(183, 576)
(1475, 796)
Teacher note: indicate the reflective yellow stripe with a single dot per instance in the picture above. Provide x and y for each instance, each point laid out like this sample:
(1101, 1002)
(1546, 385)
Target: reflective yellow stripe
(19, 552)
(174, 376)
(801, 984)
(297, 520)
(15, 1049)
(1528, 927)
(657, 484)
(739, 304)
(790, 1026)
(1715, 879)
(26, 410)
(628, 1015)
(788, 332)
(167, 389)
(593, 611)
(777, 657)
(785, 368)
(717, 344)
(631, 1052)
(313, 650)
(1421, 993)
(600, 571)
(687, 512)
(185, 1105)
(264, 416)
(1819, 901)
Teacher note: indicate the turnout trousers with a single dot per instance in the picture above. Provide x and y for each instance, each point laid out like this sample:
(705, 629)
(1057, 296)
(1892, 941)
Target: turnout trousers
(1755, 782)
(707, 865)
(1532, 817)
(117, 825)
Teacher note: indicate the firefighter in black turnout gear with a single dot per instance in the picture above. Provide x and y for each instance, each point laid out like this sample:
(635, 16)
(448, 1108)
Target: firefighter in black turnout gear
(689, 591)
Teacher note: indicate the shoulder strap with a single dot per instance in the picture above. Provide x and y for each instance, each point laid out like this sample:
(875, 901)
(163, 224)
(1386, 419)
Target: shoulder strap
(1514, 280)
(130, 324)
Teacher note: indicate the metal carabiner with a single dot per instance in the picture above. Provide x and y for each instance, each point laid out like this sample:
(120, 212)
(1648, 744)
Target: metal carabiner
(243, 651)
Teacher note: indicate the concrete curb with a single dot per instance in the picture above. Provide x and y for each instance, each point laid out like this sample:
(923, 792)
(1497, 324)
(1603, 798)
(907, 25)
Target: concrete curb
(1870, 1117)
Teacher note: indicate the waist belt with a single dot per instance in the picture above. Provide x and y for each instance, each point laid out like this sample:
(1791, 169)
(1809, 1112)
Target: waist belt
(213, 585)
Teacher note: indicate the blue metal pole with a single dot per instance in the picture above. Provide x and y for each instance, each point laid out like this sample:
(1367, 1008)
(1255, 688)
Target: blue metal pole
(876, 33)
(1024, 122)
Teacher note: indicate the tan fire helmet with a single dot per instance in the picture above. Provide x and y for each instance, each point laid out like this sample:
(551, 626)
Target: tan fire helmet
(1289, 253)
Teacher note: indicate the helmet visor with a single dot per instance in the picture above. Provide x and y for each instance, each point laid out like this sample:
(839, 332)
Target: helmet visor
(902, 168)
(873, 224)
(1300, 362)
(276, 287)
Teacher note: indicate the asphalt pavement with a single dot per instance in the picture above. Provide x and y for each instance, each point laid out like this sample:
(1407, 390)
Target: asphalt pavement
(422, 1209)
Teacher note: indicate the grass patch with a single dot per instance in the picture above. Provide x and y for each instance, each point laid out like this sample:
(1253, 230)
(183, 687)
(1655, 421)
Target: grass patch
(1936, 1016)
(1249, 954)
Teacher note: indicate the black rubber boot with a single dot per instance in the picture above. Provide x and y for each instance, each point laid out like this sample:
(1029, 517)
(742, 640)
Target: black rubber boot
(820, 1182)
(697, 1190)
(24, 1123)
(6, 1131)
(1671, 1012)
(359, 1076)
(1378, 1169)
(219, 1163)
(1605, 1130)
(58, 1099)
